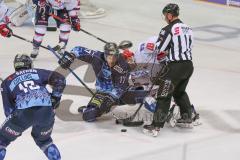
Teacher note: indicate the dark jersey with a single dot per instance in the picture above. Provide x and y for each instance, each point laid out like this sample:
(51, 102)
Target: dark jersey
(109, 80)
(27, 88)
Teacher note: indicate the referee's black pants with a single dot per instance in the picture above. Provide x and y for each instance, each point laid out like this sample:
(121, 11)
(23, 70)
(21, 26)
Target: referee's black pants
(179, 74)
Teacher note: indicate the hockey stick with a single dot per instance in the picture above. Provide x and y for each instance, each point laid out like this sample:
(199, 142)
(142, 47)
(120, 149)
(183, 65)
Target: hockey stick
(79, 79)
(24, 39)
(64, 21)
(165, 86)
(123, 45)
(50, 49)
(75, 75)
(53, 51)
(129, 121)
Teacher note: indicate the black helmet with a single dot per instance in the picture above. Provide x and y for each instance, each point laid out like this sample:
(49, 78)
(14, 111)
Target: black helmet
(111, 49)
(171, 8)
(22, 61)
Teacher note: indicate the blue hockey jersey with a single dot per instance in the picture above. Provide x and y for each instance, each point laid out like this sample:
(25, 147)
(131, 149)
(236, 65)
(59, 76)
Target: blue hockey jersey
(27, 88)
(108, 80)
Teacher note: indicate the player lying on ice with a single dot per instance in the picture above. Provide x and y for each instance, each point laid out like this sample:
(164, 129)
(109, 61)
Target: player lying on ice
(112, 73)
(27, 103)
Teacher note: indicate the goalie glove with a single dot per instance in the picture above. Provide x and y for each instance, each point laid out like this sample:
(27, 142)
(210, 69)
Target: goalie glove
(66, 60)
(75, 21)
(161, 56)
(5, 31)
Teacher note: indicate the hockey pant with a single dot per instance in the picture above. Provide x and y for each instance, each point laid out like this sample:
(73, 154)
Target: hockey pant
(40, 118)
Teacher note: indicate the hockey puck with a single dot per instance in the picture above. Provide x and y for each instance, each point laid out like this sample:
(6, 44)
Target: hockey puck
(123, 130)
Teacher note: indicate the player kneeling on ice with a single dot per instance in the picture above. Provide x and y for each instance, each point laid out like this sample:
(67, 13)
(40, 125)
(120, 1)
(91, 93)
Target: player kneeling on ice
(112, 73)
(27, 103)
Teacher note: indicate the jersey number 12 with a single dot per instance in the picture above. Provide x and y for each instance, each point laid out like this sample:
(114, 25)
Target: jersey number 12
(28, 85)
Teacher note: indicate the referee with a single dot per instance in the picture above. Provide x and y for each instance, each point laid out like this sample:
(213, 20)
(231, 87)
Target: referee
(176, 45)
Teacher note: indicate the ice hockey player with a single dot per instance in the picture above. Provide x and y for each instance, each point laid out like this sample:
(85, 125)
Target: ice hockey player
(112, 73)
(27, 102)
(65, 10)
(5, 31)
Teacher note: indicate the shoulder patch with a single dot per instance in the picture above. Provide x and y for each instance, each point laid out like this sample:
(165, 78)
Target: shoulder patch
(118, 68)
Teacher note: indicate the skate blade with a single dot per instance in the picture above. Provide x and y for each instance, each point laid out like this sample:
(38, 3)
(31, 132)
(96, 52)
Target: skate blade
(185, 125)
(197, 123)
(150, 133)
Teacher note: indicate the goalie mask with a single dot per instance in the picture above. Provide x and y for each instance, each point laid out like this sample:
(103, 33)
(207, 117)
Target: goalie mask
(111, 53)
(22, 61)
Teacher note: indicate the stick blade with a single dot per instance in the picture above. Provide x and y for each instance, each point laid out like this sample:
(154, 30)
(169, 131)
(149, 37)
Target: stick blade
(133, 123)
(129, 123)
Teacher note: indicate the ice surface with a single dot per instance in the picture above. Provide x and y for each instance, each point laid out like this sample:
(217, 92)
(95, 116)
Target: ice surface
(214, 87)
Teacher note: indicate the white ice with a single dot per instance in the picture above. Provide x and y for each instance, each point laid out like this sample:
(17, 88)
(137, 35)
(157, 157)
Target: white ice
(214, 87)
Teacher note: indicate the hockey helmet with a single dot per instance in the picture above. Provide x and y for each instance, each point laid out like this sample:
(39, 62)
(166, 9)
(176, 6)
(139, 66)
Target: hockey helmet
(171, 8)
(22, 61)
(111, 49)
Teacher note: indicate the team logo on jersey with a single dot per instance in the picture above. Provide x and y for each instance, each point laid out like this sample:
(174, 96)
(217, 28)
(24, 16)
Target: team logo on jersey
(142, 47)
(176, 31)
(150, 46)
(118, 68)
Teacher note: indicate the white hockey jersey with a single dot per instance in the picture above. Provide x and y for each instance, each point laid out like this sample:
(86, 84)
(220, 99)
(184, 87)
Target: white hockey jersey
(3, 11)
(146, 60)
(144, 52)
(61, 4)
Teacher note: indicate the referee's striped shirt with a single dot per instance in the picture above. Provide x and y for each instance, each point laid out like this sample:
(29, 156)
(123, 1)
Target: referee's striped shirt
(177, 39)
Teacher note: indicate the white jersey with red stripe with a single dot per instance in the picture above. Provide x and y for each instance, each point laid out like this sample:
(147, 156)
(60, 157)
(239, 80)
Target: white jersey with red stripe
(144, 52)
(61, 4)
(146, 60)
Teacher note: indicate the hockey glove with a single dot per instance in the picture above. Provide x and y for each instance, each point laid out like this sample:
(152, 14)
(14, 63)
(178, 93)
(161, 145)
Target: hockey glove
(66, 60)
(55, 101)
(161, 56)
(5, 31)
(127, 54)
(75, 21)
